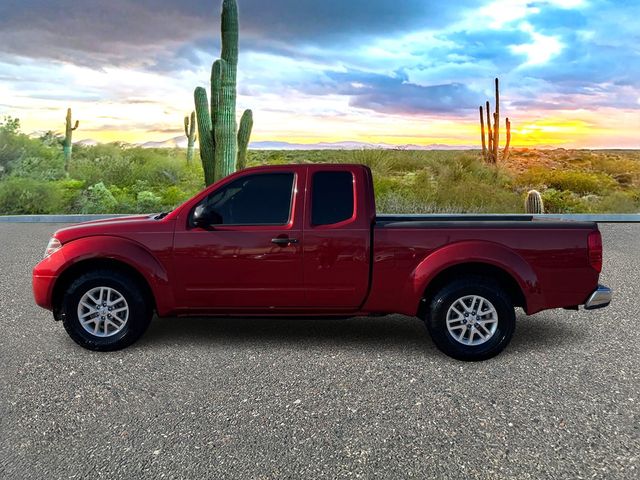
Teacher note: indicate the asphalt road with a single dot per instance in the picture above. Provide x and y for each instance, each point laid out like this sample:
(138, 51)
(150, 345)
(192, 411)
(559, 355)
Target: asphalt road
(361, 398)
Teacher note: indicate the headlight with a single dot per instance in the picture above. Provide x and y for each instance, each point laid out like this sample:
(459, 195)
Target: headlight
(53, 246)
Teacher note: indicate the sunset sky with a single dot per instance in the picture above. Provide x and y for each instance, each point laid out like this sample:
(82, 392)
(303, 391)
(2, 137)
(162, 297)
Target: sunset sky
(392, 71)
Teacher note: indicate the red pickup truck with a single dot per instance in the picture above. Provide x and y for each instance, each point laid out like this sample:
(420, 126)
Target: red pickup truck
(305, 240)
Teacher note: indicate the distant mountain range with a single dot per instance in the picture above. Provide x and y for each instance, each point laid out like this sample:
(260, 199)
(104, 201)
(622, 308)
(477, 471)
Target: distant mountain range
(181, 142)
(352, 145)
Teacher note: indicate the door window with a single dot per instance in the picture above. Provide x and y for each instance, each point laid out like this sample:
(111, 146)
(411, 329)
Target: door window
(261, 199)
(332, 198)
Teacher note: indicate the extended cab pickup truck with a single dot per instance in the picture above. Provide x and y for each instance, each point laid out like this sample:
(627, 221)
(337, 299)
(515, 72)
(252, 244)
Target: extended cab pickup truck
(305, 240)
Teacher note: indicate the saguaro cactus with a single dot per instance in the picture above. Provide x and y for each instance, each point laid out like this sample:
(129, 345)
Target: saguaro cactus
(484, 142)
(190, 132)
(219, 137)
(68, 133)
(505, 152)
(533, 202)
(491, 146)
(244, 132)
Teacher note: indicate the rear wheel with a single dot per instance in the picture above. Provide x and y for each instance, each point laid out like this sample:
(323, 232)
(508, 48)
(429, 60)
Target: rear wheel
(105, 310)
(471, 318)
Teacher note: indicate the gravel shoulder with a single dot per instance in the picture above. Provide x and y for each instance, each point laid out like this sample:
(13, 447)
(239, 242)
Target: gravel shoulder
(292, 398)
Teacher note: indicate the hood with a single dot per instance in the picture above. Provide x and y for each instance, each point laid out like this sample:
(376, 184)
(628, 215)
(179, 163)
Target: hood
(107, 226)
(125, 218)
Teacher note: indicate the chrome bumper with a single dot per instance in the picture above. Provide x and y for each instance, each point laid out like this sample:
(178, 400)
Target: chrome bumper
(601, 297)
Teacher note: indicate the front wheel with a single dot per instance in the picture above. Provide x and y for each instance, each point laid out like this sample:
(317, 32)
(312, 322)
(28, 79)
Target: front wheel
(105, 310)
(471, 318)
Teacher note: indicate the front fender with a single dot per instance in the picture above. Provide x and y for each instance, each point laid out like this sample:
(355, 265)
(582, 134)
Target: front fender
(108, 247)
(476, 251)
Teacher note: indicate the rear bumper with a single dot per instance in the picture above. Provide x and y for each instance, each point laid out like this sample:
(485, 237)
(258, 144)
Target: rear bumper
(601, 297)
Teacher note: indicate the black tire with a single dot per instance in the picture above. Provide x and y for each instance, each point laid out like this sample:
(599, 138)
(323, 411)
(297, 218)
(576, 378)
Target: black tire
(140, 310)
(440, 303)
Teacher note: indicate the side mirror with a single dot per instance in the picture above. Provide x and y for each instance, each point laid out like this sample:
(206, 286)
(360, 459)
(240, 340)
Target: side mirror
(205, 218)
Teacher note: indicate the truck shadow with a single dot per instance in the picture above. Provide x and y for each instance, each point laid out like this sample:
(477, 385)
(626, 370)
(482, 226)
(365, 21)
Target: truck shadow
(395, 332)
(546, 331)
(389, 332)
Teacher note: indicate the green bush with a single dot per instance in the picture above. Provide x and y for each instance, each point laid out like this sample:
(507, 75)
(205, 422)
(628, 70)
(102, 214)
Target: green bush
(98, 199)
(126, 179)
(379, 161)
(562, 201)
(466, 184)
(572, 180)
(71, 193)
(620, 202)
(148, 202)
(172, 197)
(28, 157)
(22, 196)
(48, 166)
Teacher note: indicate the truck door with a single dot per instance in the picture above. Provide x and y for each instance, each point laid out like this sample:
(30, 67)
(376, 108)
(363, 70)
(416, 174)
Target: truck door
(337, 236)
(251, 257)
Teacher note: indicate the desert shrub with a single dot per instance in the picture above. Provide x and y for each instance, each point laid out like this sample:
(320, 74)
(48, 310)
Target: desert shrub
(619, 202)
(28, 157)
(157, 167)
(148, 202)
(562, 201)
(625, 171)
(98, 199)
(32, 177)
(173, 196)
(71, 193)
(572, 180)
(466, 184)
(48, 166)
(125, 198)
(470, 196)
(29, 196)
(396, 203)
(379, 161)
(267, 157)
(102, 163)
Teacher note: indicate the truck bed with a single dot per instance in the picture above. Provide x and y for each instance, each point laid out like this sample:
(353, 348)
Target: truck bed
(552, 254)
(491, 221)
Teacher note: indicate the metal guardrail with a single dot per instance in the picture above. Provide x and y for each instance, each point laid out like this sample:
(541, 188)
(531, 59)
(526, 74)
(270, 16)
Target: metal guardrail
(56, 218)
(599, 218)
(582, 217)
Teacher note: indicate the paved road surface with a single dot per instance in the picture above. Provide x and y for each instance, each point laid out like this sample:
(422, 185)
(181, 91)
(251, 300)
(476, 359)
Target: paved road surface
(360, 398)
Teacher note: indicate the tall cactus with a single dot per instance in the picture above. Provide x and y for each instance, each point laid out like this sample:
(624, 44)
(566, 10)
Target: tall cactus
(190, 132)
(491, 146)
(219, 136)
(482, 136)
(505, 153)
(533, 202)
(244, 132)
(68, 133)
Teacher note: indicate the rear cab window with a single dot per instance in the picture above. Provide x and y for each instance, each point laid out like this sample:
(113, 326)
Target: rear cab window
(332, 199)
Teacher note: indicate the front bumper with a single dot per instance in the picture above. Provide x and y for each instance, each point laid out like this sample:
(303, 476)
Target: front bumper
(42, 290)
(601, 297)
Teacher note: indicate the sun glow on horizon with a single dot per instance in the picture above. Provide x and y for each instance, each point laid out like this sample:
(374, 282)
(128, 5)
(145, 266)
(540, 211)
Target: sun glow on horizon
(532, 131)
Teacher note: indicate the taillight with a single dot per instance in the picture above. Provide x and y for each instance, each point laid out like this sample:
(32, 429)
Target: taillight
(595, 250)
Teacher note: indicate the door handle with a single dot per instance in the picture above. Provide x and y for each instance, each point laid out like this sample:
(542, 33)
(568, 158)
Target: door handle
(284, 240)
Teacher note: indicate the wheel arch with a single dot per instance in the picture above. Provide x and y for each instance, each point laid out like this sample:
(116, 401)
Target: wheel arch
(445, 276)
(79, 268)
(474, 257)
(119, 253)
